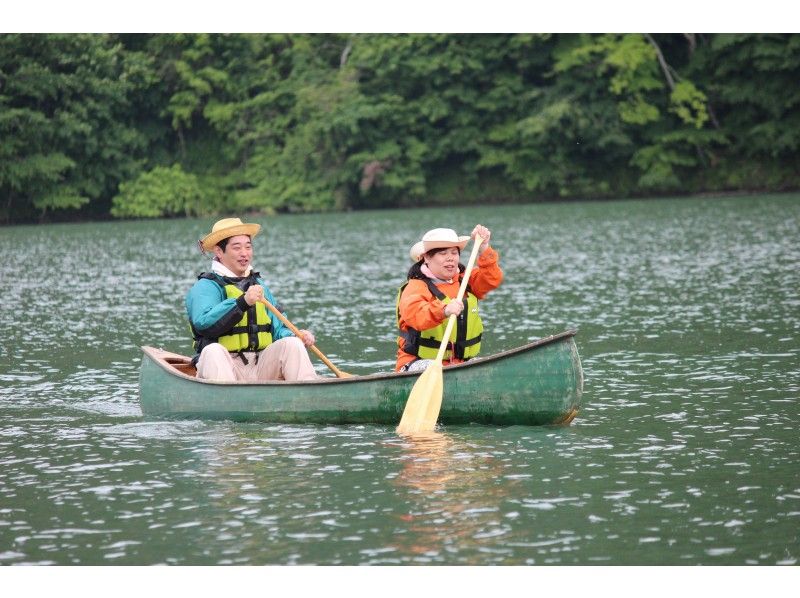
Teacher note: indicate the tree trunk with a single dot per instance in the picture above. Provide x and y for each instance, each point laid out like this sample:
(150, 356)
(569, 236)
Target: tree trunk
(181, 142)
(665, 68)
(662, 62)
(692, 39)
(346, 53)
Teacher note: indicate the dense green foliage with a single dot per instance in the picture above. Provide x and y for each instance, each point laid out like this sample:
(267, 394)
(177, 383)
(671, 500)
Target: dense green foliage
(167, 125)
(161, 192)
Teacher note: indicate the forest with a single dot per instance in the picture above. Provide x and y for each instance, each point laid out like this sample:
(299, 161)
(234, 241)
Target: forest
(99, 126)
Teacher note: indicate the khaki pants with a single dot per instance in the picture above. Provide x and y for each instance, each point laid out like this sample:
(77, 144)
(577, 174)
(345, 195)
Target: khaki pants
(286, 359)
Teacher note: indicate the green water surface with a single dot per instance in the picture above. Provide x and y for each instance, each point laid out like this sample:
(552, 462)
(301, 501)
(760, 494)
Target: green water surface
(686, 450)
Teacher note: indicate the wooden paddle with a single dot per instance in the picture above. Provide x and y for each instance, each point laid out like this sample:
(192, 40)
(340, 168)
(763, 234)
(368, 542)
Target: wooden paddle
(339, 373)
(425, 400)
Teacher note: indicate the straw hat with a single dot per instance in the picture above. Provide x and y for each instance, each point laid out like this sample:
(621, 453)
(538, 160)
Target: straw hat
(436, 239)
(228, 227)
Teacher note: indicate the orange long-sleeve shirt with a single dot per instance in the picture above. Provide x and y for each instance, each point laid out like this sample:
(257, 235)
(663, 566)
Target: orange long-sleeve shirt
(419, 309)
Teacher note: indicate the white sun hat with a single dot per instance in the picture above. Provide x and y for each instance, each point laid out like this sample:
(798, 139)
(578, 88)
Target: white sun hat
(417, 249)
(439, 238)
(436, 239)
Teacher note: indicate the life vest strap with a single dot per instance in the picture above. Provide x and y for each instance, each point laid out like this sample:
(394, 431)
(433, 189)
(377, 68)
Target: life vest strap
(252, 328)
(413, 340)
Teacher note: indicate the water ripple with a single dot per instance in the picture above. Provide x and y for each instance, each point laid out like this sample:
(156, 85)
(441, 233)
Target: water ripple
(684, 452)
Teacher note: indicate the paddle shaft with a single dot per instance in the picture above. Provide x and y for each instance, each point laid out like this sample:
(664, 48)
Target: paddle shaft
(461, 290)
(293, 328)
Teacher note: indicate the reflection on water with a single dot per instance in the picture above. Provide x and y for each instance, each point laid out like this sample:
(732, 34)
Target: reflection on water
(428, 463)
(456, 494)
(685, 451)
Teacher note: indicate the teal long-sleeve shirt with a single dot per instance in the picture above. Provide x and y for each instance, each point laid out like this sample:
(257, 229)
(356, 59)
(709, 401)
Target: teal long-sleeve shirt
(212, 314)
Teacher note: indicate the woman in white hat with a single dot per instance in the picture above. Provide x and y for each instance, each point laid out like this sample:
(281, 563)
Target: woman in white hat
(236, 338)
(427, 299)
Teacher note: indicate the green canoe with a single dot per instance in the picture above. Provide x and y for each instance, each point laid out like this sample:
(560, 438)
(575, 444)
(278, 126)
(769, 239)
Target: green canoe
(539, 383)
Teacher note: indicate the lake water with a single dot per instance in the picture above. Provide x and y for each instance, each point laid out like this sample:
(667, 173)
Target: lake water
(685, 452)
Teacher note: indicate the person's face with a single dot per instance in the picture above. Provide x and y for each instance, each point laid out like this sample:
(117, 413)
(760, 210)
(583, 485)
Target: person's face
(237, 255)
(443, 263)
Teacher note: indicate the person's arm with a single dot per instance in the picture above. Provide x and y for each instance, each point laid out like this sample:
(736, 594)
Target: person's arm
(487, 276)
(211, 314)
(419, 308)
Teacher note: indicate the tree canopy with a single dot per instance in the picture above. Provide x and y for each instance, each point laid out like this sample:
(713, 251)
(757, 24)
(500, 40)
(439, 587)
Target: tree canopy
(152, 125)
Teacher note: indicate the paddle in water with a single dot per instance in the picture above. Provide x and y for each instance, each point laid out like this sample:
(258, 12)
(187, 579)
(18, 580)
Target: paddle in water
(425, 399)
(339, 373)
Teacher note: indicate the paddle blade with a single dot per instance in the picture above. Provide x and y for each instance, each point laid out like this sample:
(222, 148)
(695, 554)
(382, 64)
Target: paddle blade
(424, 402)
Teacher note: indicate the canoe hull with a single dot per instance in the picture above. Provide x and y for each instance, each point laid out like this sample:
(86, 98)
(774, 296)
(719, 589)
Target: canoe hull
(537, 384)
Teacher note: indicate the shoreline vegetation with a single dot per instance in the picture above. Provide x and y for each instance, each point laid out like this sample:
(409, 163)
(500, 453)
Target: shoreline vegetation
(119, 126)
(77, 217)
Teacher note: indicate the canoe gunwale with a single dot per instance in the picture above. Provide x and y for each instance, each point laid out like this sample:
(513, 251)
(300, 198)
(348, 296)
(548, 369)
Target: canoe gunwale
(168, 360)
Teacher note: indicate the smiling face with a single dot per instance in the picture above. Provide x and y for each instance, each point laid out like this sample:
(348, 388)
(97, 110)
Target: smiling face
(237, 255)
(443, 262)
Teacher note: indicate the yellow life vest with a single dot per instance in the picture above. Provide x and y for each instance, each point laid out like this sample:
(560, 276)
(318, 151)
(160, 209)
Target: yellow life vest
(245, 335)
(465, 338)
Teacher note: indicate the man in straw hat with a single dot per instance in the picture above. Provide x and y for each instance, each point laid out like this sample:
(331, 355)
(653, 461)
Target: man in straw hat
(428, 298)
(236, 338)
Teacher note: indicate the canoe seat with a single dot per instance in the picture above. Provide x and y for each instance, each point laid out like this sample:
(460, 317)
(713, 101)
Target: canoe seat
(184, 367)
